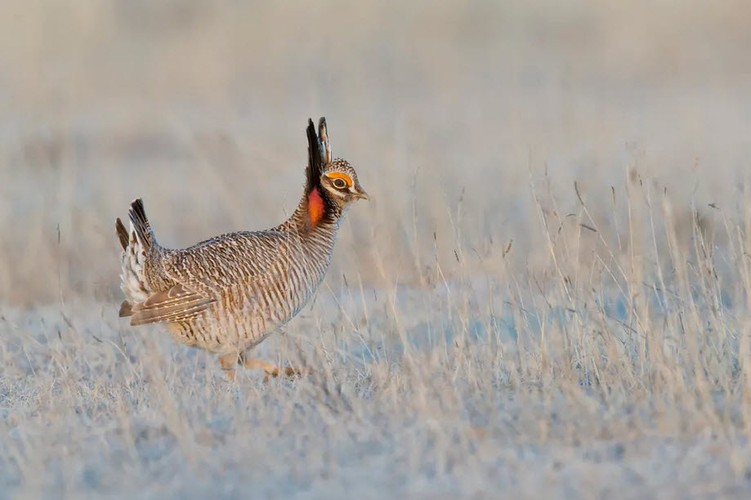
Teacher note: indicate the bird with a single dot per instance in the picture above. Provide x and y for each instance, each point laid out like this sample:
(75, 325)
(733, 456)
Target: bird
(228, 293)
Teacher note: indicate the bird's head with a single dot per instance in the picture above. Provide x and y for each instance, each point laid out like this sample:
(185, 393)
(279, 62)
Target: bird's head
(339, 180)
(332, 182)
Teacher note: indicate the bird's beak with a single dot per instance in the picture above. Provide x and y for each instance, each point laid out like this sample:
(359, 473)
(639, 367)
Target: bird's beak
(362, 195)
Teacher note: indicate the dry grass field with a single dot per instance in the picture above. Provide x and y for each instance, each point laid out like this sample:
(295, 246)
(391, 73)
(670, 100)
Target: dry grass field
(548, 295)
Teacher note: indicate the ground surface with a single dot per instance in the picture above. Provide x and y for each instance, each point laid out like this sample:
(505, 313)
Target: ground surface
(548, 295)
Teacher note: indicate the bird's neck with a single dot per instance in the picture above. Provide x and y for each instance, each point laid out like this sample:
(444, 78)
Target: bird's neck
(315, 214)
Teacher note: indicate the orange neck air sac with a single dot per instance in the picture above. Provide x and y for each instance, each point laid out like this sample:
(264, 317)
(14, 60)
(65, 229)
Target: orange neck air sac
(316, 207)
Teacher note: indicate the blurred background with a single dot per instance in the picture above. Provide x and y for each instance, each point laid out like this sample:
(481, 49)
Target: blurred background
(454, 114)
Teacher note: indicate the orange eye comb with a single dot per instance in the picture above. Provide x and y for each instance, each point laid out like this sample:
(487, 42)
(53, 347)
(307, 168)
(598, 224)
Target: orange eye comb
(338, 175)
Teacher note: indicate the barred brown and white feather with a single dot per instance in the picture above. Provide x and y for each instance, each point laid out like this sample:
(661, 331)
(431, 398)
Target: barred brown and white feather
(228, 293)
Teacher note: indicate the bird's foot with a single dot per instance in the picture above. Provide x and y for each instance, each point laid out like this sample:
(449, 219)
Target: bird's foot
(272, 370)
(228, 363)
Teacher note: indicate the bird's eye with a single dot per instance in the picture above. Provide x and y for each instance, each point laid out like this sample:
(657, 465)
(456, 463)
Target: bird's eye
(340, 184)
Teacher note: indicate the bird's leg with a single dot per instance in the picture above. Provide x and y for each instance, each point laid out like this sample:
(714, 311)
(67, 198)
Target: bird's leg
(228, 363)
(270, 368)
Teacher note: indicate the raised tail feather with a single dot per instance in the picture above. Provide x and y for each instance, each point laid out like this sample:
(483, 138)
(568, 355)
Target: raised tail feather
(122, 233)
(141, 224)
(137, 244)
(143, 304)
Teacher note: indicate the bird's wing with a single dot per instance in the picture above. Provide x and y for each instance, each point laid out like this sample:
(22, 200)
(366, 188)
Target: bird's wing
(204, 273)
(172, 305)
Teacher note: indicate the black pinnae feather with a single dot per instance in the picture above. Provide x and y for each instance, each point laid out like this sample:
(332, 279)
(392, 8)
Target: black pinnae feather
(315, 168)
(323, 141)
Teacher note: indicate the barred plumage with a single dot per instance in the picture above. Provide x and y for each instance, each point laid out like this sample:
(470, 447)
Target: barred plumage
(228, 293)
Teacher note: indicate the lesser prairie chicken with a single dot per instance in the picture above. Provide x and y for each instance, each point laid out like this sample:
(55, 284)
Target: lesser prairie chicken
(228, 293)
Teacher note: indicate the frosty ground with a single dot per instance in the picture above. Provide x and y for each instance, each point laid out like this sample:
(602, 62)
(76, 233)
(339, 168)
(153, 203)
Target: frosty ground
(402, 400)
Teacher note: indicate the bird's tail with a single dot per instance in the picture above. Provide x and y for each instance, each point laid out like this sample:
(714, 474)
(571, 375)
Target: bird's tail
(138, 243)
